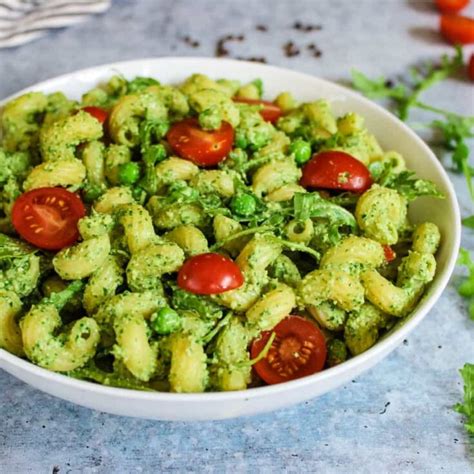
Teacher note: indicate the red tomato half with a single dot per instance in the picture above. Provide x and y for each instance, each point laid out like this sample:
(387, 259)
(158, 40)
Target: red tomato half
(451, 6)
(270, 112)
(457, 29)
(389, 253)
(470, 67)
(96, 112)
(203, 147)
(336, 170)
(47, 217)
(298, 350)
(209, 274)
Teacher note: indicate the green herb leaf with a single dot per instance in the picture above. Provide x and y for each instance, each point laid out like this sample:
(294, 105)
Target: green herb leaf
(468, 222)
(140, 83)
(258, 83)
(13, 248)
(312, 205)
(184, 300)
(377, 88)
(405, 182)
(467, 408)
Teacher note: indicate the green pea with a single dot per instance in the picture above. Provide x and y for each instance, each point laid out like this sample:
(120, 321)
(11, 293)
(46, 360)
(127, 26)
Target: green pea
(139, 194)
(92, 192)
(301, 150)
(129, 173)
(162, 128)
(244, 204)
(165, 321)
(240, 140)
(154, 154)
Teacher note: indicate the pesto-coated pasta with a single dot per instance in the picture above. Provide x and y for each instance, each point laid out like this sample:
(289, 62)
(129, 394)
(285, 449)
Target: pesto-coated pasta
(66, 173)
(269, 310)
(133, 347)
(188, 372)
(60, 139)
(102, 284)
(10, 335)
(63, 352)
(381, 213)
(83, 259)
(19, 121)
(191, 240)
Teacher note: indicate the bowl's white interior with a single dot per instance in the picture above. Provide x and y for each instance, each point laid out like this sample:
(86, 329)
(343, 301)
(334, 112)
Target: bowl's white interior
(391, 133)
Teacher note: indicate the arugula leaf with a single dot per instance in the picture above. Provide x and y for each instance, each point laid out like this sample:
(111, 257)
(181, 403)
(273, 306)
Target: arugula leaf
(12, 248)
(13, 165)
(312, 205)
(308, 205)
(408, 185)
(184, 300)
(140, 83)
(467, 408)
(377, 88)
(422, 81)
(468, 221)
(258, 83)
(454, 128)
(466, 288)
(405, 182)
(407, 97)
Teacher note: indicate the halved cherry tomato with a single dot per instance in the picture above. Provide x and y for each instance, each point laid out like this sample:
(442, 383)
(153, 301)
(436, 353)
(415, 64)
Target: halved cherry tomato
(389, 253)
(298, 350)
(47, 217)
(336, 170)
(270, 112)
(203, 147)
(209, 274)
(457, 29)
(470, 68)
(100, 114)
(451, 6)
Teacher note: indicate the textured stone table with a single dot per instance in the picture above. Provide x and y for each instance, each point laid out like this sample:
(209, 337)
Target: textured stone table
(395, 418)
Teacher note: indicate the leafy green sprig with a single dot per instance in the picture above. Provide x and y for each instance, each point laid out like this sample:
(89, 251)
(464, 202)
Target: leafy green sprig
(454, 128)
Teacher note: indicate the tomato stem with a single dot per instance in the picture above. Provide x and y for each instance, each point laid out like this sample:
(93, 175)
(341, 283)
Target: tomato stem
(223, 322)
(297, 247)
(263, 352)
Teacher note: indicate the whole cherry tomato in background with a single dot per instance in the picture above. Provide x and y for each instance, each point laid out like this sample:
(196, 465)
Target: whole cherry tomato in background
(451, 6)
(457, 29)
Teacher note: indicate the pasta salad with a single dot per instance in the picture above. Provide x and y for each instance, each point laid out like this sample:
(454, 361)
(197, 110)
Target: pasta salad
(195, 237)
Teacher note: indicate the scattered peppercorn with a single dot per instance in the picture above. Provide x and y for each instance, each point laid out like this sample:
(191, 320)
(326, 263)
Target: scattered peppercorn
(307, 28)
(255, 59)
(191, 42)
(291, 49)
(262, 28)
(221, 49)
(315, 51)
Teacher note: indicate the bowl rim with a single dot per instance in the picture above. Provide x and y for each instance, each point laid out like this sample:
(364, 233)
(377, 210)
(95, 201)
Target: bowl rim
(359, 361)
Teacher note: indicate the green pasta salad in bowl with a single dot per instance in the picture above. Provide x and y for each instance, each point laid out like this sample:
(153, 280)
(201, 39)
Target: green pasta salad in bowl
(193, 237)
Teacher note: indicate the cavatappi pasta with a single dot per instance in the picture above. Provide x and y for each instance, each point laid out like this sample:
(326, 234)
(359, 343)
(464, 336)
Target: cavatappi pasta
(110, 305)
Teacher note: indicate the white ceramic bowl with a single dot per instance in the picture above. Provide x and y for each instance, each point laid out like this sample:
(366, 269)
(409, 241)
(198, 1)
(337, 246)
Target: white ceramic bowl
(391, 133)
